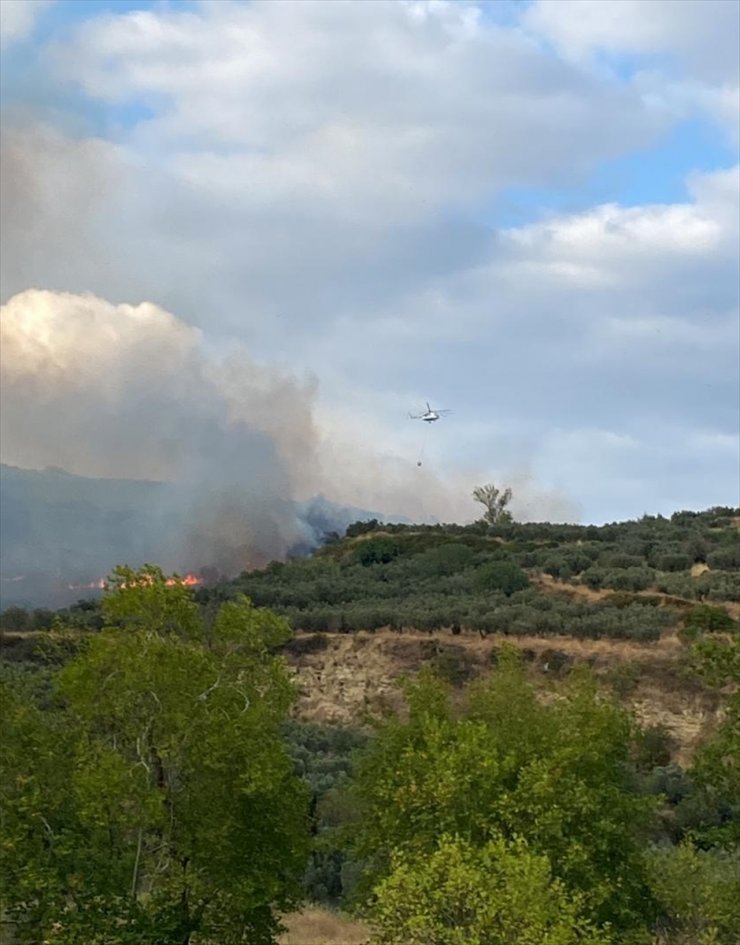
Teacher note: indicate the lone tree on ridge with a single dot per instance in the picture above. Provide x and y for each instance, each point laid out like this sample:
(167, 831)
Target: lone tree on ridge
(495, 501)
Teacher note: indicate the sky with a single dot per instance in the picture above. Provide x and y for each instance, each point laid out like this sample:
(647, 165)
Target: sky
(525, 212)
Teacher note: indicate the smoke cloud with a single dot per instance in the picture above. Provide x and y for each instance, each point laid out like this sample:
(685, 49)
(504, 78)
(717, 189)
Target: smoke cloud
(130, 392)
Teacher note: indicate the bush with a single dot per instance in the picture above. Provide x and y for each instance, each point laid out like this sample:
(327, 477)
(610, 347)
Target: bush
(629, 579)
(377, 551)
(653, 747)
(501, 576)
(624, 678)
(725, 559)
(698, 892)
(14, 620)
(708, 617)
(454, 664)
(674, 562)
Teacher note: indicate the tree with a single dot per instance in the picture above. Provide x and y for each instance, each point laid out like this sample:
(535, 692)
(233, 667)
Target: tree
(699, 892)
(716, 768)
(494, 500)
(555, 775)
(501, 576)
(14, 620)
(147, 797)
(497, 894)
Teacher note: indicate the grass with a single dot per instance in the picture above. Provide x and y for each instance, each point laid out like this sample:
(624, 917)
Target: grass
(317, 926)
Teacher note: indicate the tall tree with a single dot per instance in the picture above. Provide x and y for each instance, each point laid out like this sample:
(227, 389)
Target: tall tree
(494, 500)
(151, 800)
(508, 766)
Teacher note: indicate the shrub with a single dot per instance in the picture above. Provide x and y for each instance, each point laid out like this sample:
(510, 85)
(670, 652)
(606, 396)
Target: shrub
(454, 664)
(653, 747)
(674, 562)
(708, 617)
(377, 551)
(624, 678)
(502, 576)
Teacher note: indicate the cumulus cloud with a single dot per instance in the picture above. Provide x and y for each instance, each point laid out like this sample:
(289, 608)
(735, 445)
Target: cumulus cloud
(684, 52)
(359, 110)
(313, 181)
(18, 19)
(701, 35)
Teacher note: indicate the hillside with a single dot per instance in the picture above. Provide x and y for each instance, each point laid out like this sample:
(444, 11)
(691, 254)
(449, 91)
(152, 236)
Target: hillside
(62, 533)
(369, 611)
(632, 580)
(622, 598)
(385, 600)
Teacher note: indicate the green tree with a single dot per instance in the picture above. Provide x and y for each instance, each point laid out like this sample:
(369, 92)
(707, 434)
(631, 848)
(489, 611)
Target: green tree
(147, 796)
(699, 892)
(497, 894)
(501, 576)
(556, 775)
(716, 769)
(494, 500)
(14, 620)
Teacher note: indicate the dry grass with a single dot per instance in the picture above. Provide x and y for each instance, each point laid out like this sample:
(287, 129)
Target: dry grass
(315, 926)
(355, 675)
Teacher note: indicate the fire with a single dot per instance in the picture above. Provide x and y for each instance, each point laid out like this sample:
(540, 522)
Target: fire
(188, 580)
(93, 585)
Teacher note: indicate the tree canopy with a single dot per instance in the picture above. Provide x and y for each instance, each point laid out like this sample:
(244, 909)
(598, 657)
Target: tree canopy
(507, 766)
(146, 794)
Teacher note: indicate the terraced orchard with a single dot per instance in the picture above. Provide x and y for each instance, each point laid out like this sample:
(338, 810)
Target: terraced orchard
(638, 581)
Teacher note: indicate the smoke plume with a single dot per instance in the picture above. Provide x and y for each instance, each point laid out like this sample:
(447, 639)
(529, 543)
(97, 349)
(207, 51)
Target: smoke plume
(130, 392)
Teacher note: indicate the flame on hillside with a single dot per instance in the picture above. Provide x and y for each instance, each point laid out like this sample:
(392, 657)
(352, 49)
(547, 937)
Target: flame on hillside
(188, 580)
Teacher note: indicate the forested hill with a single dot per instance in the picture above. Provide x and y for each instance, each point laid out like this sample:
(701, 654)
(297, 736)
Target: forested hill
(625, 580)
(595, 777)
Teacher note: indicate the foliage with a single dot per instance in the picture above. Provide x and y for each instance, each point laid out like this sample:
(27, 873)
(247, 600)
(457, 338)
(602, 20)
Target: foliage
(443, 576)
(377, 551)
(495, 894)
(323, 756)
(708, 617)
(494, 500)
(147, 797)
(653, 747)
(15, 620)
(508, 766)
(716, 768)
(699, 894)
(502, 576)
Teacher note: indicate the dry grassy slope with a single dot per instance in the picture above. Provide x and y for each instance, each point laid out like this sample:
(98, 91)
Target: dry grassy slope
(316, 926)
(349, 677)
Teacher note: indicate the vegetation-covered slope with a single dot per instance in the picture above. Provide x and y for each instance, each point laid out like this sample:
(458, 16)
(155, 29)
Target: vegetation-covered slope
(646, 576)
(571, 738)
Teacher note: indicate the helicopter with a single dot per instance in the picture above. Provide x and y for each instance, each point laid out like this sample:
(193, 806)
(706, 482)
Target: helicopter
(430, 416)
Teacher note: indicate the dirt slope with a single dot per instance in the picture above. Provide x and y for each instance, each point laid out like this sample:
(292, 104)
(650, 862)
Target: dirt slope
(345, 678)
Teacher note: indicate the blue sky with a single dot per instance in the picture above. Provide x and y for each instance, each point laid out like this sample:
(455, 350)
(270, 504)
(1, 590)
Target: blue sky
(527, 211)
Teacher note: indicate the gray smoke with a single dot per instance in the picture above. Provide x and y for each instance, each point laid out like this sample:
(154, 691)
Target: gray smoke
(128, 392)
(227, 453)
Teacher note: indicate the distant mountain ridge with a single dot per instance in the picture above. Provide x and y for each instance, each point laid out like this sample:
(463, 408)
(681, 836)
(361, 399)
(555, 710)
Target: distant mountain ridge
(60, 529)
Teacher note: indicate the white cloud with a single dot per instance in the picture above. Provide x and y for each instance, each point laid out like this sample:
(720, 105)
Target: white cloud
(354, 109)
(686, 51)
(18, 19)
(702, 35)
(313, 184)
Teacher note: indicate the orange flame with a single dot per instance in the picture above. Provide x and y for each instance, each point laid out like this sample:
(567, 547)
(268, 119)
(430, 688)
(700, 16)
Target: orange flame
(189, 580)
